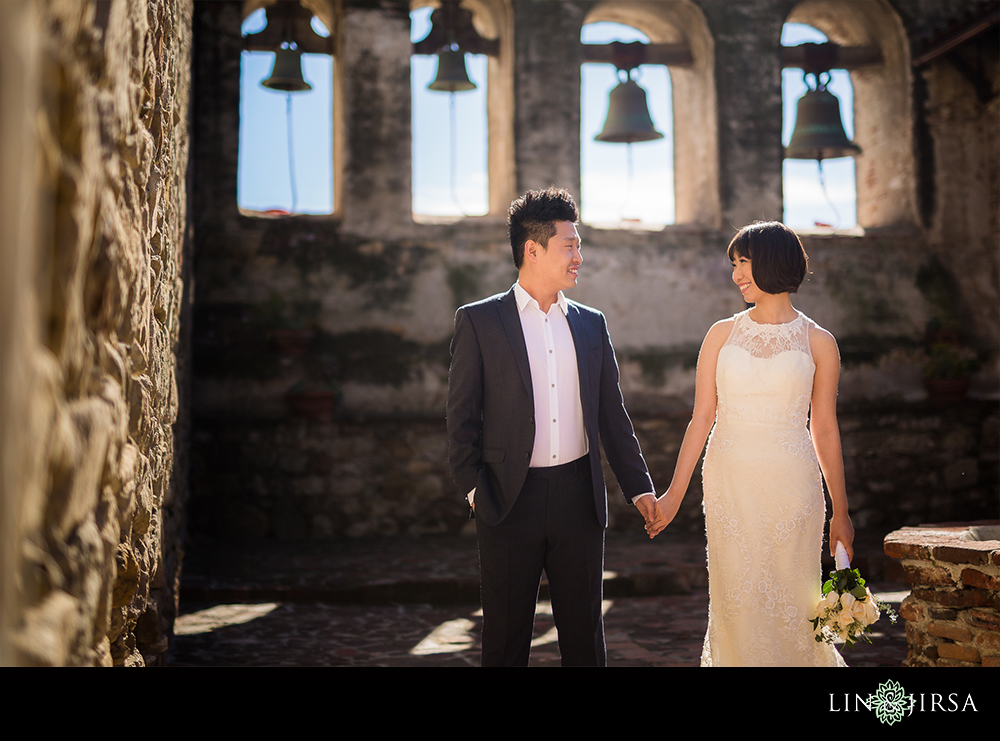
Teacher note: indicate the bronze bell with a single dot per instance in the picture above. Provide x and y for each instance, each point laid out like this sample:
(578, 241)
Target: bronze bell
(286, 75)
(452, 77)
(819, 132)
(628, 116)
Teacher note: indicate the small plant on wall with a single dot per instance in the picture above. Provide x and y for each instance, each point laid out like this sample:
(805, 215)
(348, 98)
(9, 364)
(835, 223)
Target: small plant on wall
(289, 331)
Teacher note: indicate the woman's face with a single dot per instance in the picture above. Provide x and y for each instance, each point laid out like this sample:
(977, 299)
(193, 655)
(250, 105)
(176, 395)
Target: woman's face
(743, 278)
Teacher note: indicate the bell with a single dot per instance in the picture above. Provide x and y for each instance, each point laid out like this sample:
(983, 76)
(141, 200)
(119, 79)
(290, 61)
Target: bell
(452, 76)
(628, 117)
(286, 75)
(819, 132)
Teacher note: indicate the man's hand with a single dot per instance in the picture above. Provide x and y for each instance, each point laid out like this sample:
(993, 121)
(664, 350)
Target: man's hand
(651, 513)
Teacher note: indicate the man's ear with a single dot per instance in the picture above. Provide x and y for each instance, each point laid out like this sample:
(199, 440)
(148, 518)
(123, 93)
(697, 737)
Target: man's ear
(531, 250)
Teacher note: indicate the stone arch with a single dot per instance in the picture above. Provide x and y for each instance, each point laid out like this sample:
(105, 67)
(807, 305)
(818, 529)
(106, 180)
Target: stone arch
(494, 19)
(886, 172)
(696, 143)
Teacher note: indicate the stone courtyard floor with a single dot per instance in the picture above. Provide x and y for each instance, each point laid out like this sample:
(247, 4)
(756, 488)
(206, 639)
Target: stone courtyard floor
(414, 602)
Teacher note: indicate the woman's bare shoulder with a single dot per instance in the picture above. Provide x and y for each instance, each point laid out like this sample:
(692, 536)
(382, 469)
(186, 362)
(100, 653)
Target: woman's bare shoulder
(822, 342)
(719, 332)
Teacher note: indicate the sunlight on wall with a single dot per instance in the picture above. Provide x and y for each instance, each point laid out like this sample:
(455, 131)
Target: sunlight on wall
(805, 204)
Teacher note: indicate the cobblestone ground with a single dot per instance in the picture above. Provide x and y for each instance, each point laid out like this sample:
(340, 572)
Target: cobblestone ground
(311, 605)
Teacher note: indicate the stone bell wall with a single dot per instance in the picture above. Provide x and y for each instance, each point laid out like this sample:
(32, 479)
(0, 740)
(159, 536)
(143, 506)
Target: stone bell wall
(352, 313)
(94, 147)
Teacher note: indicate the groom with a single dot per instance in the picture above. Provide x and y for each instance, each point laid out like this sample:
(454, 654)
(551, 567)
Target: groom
(533, 388)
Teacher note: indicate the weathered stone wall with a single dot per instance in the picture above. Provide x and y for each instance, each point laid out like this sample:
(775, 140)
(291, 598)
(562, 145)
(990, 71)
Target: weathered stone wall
(302, 478)
(952, 613)
(371, 294)
(94, 99)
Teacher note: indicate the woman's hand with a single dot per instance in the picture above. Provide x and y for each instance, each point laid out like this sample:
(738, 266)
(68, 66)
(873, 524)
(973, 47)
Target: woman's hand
(842, 529)
(666, 510)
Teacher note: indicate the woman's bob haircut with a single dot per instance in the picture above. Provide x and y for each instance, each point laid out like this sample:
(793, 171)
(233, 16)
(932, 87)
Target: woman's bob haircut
(778, 262)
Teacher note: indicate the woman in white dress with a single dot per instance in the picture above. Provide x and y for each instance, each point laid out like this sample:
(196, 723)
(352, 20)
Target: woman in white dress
(762, 376)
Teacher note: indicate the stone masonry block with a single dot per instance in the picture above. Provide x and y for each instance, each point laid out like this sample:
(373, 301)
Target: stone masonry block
(955, 597)
(986, 619)
(958, 652)
(911, 610)
(988, 641)
(949, 630)
(977, 578)
(922, 573)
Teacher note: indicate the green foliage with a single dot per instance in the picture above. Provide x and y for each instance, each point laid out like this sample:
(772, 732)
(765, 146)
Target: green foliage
(850, 581)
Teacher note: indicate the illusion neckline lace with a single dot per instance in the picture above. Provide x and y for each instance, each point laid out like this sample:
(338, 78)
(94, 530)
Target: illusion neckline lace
(798, 317)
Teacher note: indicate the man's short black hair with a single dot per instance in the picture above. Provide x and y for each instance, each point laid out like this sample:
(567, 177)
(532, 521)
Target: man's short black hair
(778, 261)
(534, 215)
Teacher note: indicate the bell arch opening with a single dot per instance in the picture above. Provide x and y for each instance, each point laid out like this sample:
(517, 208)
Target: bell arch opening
(885, 171)
(463, 142)
(625, 185)
(693, 106)
(286, 134)
(816, 194)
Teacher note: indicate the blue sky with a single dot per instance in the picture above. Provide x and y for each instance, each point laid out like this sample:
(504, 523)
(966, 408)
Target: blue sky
(450, 143)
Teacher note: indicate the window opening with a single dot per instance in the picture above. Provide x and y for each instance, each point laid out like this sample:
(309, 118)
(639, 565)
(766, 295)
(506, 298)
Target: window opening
(450, 149)
(805, 203)
(624, 185)
(268, 179)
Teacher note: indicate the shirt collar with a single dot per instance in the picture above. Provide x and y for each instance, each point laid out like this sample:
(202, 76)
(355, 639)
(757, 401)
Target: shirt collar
(524, 298)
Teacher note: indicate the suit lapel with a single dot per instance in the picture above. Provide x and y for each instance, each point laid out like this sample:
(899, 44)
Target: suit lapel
(515, 335)
(578, 329)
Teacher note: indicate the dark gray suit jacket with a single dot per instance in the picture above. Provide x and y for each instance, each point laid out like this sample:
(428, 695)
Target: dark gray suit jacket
(491, 419)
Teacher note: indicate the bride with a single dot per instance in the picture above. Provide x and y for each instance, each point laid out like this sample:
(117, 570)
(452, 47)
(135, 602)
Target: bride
(762, 375)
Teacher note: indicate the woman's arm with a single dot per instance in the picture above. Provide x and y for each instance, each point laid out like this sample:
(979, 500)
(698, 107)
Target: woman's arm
(826, 434)
(702, 419)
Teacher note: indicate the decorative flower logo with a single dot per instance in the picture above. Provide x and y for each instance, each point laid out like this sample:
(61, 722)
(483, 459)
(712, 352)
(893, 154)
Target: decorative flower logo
(890, 702)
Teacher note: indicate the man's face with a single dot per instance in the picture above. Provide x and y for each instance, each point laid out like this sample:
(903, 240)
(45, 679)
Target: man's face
(558, 266)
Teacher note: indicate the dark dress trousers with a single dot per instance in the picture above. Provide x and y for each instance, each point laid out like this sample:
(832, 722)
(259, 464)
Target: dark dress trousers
(551, 518)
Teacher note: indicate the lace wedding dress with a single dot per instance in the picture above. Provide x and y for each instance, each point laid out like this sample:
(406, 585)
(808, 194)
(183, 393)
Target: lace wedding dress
(764, 506)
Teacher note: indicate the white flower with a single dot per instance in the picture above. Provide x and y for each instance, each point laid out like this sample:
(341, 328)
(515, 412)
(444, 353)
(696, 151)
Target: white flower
(860, 610)
(872, 612)
(832, 599)
(847, 600)
(845, 618)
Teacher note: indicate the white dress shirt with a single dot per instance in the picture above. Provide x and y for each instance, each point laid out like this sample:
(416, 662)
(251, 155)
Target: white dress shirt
(560, 435)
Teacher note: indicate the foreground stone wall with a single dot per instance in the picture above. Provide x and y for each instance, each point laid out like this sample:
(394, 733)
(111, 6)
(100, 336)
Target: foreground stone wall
(94, 100)
(953, 611)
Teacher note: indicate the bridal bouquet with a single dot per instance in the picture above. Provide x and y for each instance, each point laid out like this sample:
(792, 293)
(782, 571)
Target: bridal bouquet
(847, 609)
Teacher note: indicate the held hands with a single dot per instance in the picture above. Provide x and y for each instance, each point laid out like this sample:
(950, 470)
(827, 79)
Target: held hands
(664, 512)
(647, 508)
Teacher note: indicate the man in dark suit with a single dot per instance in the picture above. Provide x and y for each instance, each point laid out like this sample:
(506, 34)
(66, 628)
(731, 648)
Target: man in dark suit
(533, 387)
